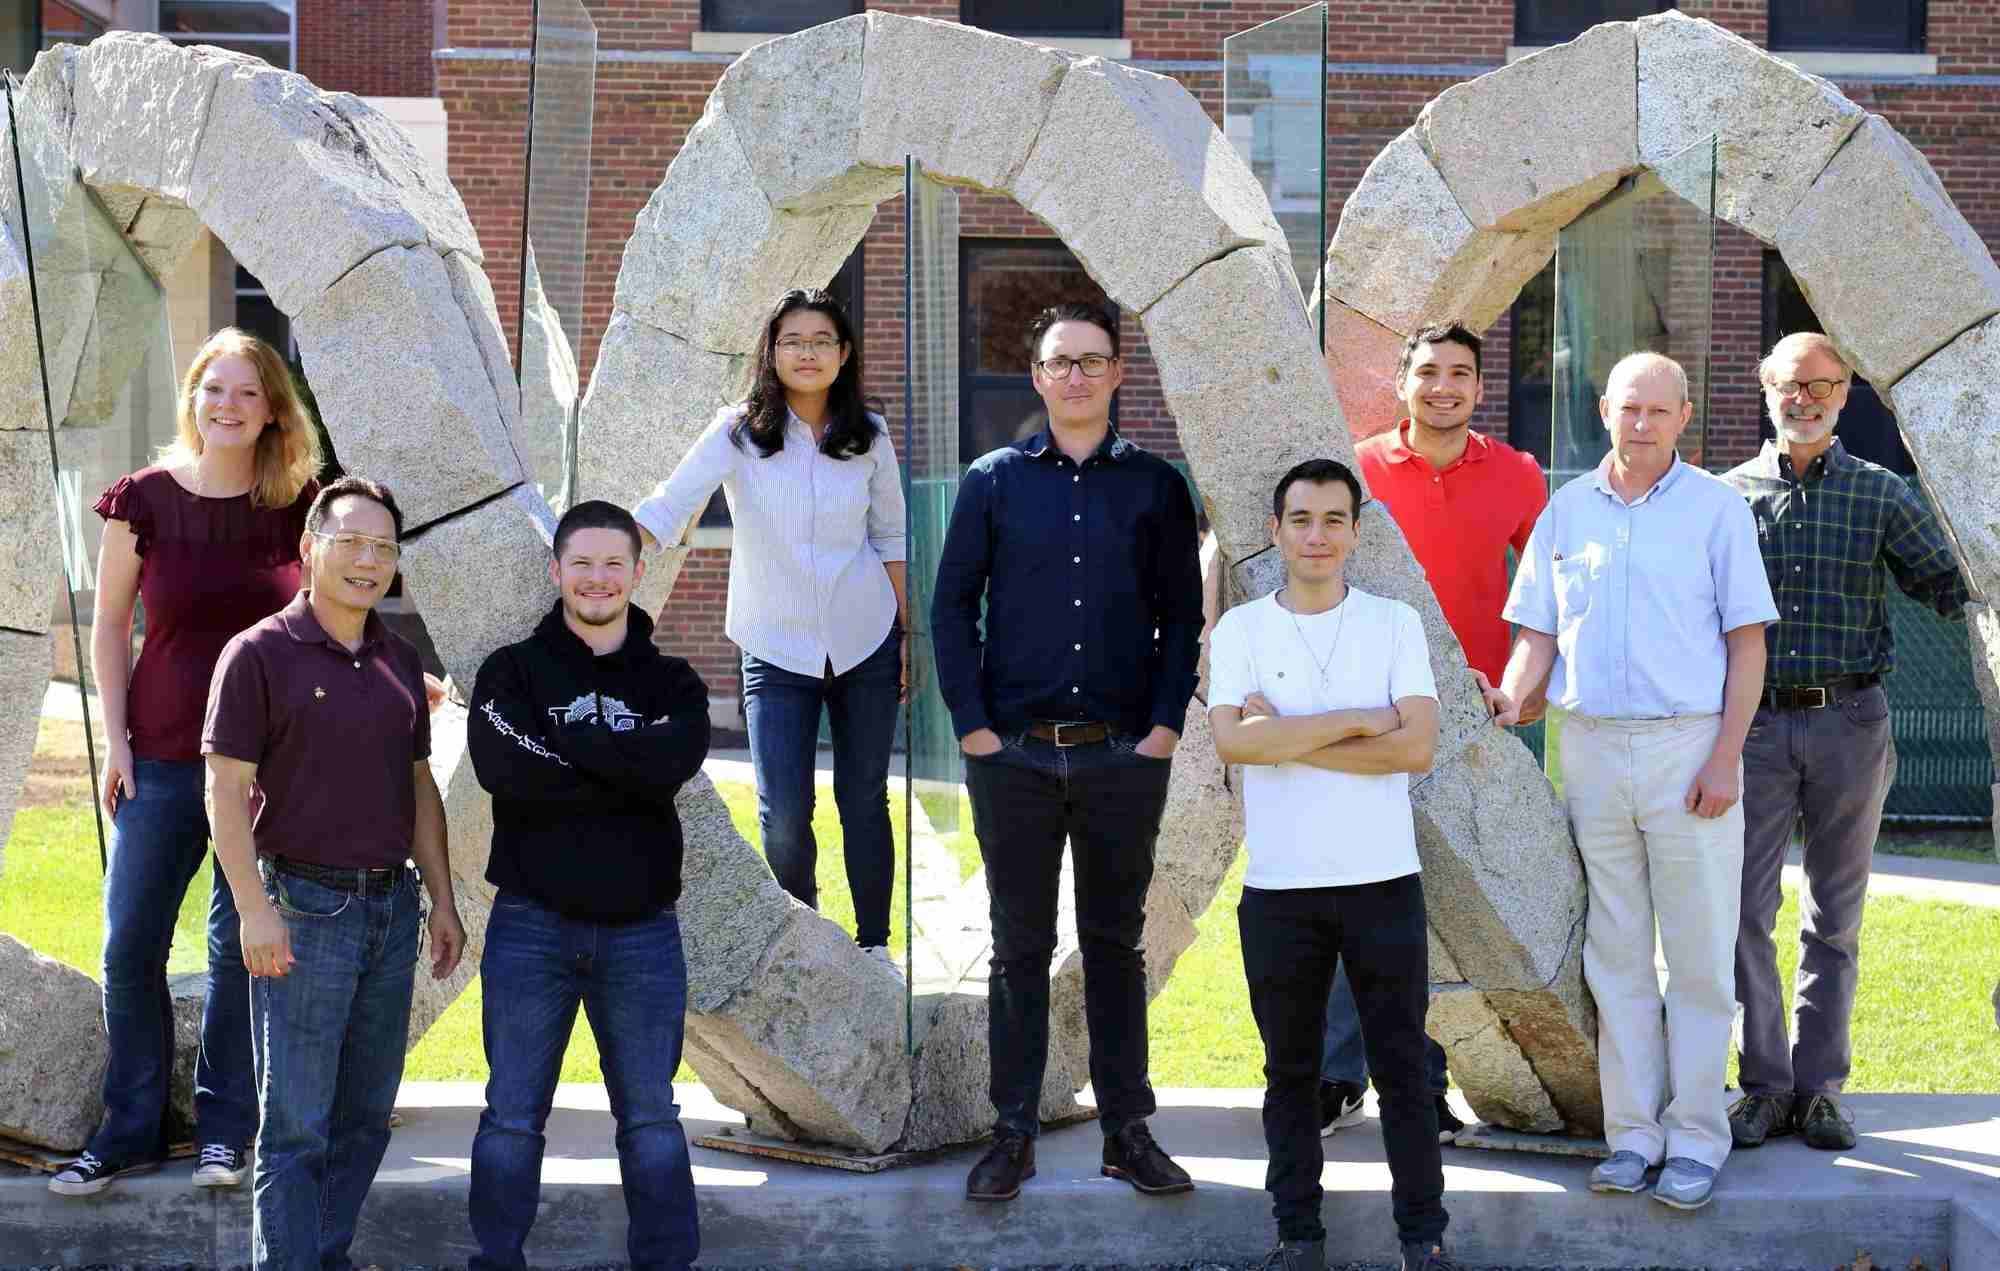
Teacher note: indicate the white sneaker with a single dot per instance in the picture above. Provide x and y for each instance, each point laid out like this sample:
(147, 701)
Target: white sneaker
(87, 1175)
(221, 1166)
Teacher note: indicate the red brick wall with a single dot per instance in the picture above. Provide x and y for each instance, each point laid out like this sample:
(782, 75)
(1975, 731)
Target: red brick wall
(371, 48)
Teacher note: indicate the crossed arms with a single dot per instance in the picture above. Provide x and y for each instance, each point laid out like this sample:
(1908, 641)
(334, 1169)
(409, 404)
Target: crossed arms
(1385, 739)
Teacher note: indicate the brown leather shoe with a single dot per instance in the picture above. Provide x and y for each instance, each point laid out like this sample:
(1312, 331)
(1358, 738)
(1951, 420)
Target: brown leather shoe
(1006, 1165)
(1131, 1154)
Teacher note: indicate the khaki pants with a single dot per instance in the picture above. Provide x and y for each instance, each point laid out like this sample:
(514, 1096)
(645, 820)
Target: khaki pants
(1646, 857)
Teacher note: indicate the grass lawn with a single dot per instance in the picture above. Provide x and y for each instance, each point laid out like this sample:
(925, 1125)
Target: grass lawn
(1923, 1019)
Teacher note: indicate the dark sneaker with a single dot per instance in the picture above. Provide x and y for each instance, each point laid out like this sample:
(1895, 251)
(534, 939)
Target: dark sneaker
(1426, 1255)
(1448, 1123)
(1756, 1117)
(1006, 1165)
(1296, 1255)
(1339, 1107)
(1131, 1154)
(1824, 1124)
(87, 1175)
(220, 1166)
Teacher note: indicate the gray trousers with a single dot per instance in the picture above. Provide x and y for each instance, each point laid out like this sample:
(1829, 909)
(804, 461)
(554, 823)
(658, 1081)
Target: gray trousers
(1830, 768)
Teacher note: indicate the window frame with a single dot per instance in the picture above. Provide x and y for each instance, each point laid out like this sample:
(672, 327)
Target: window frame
(1915, 34)
(1114, 29)
(289, 41)
(1525, 36)
(708, 20)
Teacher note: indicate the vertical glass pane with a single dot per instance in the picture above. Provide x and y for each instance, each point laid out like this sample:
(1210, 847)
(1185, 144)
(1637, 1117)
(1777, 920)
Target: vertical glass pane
(1274, 113)
(552, 249)
(930, 451)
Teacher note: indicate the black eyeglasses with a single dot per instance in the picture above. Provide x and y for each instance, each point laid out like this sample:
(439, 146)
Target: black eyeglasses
(1818, 389)
(1093, 365)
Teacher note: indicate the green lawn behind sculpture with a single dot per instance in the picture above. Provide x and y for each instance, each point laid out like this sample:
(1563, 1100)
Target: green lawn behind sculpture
(1923, 1021)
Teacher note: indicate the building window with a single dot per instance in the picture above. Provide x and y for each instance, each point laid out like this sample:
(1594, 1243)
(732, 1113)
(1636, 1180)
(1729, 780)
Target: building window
(260, 28)
(766, 17)
(1531, 387)
(1088, 19)
(1538, 23)
(256, 314)
(1003, 284)
(1847, 26)
(1867, 428)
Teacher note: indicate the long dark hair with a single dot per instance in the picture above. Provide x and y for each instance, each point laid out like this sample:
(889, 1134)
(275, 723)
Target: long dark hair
(849, 430)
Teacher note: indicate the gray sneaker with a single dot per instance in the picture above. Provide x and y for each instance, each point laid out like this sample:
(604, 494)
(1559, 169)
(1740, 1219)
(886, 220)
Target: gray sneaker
(1624, 1172)
(1684, 1183)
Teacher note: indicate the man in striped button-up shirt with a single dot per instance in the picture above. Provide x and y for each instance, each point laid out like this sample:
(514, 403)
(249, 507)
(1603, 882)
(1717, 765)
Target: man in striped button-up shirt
(1833, 530)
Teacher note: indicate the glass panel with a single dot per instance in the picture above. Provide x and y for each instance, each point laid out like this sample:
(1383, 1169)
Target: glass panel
(1103, 19)
(225, 17)
(1539, 22)
(773, 16)
(1006, 283)
(556, 224)
(1274, 113)
(929, 444)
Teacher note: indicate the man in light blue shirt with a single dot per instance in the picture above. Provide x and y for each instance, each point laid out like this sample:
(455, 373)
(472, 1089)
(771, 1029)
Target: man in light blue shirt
(1642, 597)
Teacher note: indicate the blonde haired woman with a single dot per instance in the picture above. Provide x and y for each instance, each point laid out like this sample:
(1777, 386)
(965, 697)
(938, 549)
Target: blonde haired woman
(208, 537)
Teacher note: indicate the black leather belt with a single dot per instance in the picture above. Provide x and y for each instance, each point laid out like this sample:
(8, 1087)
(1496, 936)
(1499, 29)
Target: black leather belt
(1812, 697)
(1067, 735)
(359, 882)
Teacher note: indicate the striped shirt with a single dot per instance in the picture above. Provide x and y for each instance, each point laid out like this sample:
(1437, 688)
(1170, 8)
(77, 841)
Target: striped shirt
(1831, 540)
(806, 580)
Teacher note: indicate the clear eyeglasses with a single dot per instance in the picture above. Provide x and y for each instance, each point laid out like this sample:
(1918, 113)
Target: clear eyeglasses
(818, 346)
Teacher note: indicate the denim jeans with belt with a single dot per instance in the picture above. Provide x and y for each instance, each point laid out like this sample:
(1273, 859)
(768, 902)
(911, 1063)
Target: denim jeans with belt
(159, 839)
(782, 710)
(631, 980)
(329, 1040)
(1105, 801)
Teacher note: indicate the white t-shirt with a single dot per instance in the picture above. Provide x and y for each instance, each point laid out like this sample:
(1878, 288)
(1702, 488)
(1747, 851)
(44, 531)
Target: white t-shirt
(1306, 826)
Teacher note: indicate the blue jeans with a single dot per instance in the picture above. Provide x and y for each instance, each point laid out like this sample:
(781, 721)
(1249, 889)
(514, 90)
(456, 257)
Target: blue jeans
(1343, 1056)
(159, 839)
(632, 982)
(782, 709)
(329, 1040)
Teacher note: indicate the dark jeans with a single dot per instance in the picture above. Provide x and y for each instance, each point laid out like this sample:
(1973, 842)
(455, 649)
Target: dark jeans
(631, 980)
(1291, 940)
(329, 1044)
(1345, 1057)
(1105, 800)
(159, 839)
(782, 710)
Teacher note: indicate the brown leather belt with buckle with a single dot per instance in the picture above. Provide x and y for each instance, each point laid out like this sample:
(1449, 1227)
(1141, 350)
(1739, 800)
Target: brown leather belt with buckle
(1812, 697)
(1067, 735)
(360, 882)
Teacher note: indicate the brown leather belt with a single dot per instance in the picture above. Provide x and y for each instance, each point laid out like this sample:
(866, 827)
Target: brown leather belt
(359, 882)
(1067, 735)
(1812, 697)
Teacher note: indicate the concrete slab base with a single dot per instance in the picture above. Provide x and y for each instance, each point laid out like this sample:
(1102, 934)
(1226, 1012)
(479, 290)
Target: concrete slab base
(1924, 1183)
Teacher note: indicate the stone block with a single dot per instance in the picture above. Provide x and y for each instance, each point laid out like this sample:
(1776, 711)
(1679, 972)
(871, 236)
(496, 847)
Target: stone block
(425, 410)
(731, 909)
(1201, 200)
(951, 1074)
(1982, 625)
(710, 255)
(1945, 409)
(468, 814)
(965, 103)
(141, 102)
(795, 105)
(1202, 828)
(162, 235)
(1531, 145)
(1775, 126)
(473, 291)
(30, 552)
(25, 662)
(52, 1050)
(1884, 256)
(1496, 1078)
(1242, 374)
(549, 388)
(1362, 356)
(651, 394)
(330, 170)
(481, 578)
(1405, 254)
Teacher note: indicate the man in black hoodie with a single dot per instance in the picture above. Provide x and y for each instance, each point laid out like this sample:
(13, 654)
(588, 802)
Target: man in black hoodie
(583, 733)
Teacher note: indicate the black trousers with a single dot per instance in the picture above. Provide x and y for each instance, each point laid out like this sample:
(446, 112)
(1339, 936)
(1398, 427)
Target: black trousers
(1105, 800)
(1291, 941)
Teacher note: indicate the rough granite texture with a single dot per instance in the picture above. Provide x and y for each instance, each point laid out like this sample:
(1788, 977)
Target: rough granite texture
(1946, 409)
(795, 105)
(481, 578)
(52, 1051)
(25, 663)
(651, 394)
(30, 552)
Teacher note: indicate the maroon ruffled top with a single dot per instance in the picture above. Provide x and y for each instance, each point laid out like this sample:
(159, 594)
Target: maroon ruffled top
(208, 568)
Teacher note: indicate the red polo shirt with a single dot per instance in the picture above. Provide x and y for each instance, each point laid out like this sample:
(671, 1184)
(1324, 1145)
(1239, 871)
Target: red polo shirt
(1459, 522)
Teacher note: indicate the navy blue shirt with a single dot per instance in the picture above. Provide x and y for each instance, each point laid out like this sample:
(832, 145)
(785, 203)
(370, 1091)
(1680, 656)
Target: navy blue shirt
(1092, 590)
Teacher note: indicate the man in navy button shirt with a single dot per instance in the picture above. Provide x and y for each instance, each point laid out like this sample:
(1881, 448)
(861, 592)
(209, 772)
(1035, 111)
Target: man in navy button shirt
(1082, 547)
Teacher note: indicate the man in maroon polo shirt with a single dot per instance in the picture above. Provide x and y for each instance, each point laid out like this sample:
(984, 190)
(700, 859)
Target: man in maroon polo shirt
(321, 712)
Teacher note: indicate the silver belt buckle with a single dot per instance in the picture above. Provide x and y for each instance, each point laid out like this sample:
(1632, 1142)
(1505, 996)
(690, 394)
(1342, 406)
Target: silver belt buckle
(1823, 701)
(1060, 743)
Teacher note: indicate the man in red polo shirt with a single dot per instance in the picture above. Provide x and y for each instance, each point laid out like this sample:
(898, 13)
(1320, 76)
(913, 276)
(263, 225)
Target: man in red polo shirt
(1461, 500)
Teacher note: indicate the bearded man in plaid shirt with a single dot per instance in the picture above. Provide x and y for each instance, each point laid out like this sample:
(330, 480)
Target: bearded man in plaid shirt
(1833, 530)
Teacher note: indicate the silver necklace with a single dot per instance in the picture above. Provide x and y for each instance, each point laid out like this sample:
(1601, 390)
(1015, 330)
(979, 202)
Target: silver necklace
(1323, 664)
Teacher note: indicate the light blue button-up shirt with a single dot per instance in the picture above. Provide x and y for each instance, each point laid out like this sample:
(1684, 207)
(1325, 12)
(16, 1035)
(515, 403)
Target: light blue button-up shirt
(1638, 595)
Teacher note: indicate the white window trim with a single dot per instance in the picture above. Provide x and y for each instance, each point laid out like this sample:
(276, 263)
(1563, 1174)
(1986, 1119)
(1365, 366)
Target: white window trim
(744, 41)
(1831, 65)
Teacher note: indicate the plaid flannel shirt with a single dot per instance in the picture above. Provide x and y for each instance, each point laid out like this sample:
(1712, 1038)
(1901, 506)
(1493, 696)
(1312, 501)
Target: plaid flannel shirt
(1831, 540)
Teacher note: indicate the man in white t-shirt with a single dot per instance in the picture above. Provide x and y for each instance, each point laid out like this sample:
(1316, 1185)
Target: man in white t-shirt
(1324, 693)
